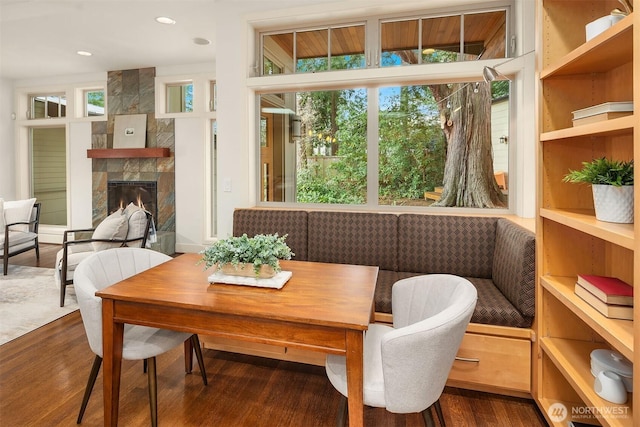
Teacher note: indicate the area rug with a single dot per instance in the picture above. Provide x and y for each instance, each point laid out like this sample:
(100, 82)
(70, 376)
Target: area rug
(29, 299)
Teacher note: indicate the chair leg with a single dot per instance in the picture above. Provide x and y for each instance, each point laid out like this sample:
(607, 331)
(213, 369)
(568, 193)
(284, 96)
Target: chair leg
(153, 390)
(195, 342)
(343, 412)
(439, 412)
(63, 288)
(428, 417)
(95, 369)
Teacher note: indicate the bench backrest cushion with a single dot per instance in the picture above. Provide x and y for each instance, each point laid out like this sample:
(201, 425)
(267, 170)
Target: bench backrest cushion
(293, 223)
(514, 265)
(449, 244)
(354, 238)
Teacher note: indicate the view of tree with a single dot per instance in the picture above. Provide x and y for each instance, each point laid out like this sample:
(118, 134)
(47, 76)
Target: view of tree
(411, 144)
(429, 136)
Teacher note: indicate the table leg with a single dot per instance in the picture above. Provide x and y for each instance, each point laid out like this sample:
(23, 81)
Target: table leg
(355, 377)
(112, 335)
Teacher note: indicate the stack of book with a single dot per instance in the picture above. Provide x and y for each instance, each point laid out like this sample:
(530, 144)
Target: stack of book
(609, 295)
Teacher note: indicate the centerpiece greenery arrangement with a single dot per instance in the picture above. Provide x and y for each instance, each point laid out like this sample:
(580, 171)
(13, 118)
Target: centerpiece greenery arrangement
(262, 252)
(612, 184)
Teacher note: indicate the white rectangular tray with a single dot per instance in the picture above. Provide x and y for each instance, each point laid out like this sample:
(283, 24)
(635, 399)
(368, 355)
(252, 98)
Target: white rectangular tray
(276, 282)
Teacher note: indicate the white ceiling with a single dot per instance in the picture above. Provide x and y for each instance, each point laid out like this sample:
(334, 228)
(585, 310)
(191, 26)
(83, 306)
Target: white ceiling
(39, 38)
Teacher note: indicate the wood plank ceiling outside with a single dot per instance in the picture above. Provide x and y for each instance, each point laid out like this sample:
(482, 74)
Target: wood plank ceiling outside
(483, 31)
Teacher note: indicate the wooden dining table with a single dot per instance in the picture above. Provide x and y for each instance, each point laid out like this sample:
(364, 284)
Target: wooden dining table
(323, 307)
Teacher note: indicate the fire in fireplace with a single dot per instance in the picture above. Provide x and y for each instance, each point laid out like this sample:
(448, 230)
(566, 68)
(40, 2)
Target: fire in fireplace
(141, 193)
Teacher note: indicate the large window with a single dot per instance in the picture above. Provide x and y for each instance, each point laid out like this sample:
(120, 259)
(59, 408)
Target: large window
(398, 141)
(417, 128)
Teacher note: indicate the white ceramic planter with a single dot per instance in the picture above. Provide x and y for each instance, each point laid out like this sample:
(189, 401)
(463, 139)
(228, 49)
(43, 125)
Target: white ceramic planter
(613, 204)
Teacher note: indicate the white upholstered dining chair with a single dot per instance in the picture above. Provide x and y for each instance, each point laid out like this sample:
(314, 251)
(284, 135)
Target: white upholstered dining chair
(406, 366)
(108, 267)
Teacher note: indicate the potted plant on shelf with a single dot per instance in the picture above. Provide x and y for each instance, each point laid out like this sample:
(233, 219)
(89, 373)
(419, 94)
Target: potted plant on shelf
(612, 184)
(257, 256)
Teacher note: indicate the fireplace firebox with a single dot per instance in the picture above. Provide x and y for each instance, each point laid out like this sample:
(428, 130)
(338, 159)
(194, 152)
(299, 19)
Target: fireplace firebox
(140, 193)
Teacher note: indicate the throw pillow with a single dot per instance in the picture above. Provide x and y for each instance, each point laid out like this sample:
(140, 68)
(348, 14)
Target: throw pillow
(114, 226)
(137, 223)
(18, 211)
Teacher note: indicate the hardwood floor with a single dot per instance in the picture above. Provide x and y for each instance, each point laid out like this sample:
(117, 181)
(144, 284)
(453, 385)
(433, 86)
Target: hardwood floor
(43, 375)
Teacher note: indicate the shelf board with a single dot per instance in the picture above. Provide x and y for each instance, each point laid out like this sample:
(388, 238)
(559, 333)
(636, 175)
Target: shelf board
(127, 153)
(572, 358)
(611, 48)
(611, 127)
(585, 221)
(619, 333)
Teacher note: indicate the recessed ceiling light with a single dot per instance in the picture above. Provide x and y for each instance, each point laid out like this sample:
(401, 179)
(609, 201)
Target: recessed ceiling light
(84, 53)
(165, 20)
(201, 41)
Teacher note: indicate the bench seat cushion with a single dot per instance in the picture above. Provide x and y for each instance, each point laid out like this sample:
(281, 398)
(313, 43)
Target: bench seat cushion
(493, 308)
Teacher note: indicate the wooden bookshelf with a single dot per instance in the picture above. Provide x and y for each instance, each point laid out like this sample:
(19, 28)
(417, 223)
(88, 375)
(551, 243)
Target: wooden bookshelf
(576, 74)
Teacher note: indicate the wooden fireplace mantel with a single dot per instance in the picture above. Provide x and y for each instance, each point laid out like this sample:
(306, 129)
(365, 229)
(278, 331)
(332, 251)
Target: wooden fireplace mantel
(123, 153)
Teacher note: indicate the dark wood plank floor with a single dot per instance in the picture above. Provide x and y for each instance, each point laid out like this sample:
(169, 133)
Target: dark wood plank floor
(43, 375)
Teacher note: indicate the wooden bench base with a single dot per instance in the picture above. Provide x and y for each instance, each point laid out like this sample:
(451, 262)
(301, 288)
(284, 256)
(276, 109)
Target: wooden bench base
(494, 359)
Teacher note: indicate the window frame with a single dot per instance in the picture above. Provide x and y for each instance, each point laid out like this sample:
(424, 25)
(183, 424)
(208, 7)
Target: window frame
(203, 98)
(85, 101)
(374, 77)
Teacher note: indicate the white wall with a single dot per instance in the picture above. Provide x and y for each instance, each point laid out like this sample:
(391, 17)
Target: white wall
(79, 176)
(7, 152)
(499, 128)
(190, 138)
(235, 111)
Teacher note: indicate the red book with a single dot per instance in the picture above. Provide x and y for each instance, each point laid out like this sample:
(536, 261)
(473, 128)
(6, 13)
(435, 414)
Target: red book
(610, 290)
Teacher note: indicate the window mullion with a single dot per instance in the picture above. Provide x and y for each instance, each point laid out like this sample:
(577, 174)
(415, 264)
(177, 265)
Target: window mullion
(372, 146)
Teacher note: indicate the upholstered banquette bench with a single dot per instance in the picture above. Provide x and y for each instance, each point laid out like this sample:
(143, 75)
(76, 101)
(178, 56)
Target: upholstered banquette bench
(495, 254)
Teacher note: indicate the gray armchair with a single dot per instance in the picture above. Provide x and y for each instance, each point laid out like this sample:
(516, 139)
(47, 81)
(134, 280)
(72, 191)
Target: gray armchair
(406, 366)
(19, 234)
(125, 227)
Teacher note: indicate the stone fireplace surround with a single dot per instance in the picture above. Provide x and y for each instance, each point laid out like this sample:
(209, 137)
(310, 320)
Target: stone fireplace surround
(133, 92)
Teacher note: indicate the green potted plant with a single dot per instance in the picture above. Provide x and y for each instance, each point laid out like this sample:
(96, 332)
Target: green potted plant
(258, 256)
(612, 184)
